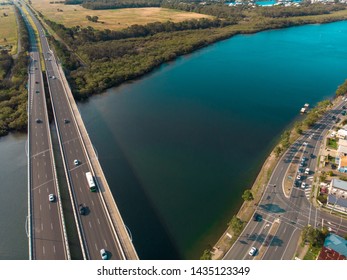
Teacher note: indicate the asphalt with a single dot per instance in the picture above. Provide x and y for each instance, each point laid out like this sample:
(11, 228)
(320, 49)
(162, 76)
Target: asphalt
(292, 213)
(94, 227)
(46, 227)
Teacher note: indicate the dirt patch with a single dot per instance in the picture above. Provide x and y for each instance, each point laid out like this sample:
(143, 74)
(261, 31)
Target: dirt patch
(117, 19)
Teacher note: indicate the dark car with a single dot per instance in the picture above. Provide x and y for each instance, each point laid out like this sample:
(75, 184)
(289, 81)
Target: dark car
(81, 209)
(38, 121)
(257, 217)
(66, 121)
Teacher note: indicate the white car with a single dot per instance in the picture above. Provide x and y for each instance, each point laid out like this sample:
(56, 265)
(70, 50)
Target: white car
(51, 197)
(303, 185)
(298, 177)
(305, 143)
(103, 254)
(307, 171)
(252, 251)
(76, 162)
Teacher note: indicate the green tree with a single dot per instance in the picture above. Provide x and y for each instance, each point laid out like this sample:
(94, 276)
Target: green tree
(313, 236)
(247, 195)
(278, 151)
(236, 225)
(206, 255)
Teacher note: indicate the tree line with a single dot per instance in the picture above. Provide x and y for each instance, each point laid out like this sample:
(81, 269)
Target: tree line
(303, 10)
(77, 36)
(13, 93)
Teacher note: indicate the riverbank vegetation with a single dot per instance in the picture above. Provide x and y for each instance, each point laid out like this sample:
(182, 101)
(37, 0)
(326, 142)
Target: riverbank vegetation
(13, 92)
(112, 57)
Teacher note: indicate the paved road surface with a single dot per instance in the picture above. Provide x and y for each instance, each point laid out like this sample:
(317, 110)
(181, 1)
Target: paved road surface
(94, 227)
(47, 235)
(292, 213)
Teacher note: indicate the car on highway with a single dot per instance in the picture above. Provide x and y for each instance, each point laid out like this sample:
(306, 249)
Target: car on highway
(66, 121)
(303, 185)
(51, 197)
(253, 251)
(53, 77)
(307, 171)
(103, 254)
(81, 209)
(76, 162)
(38, 121)
(37, 91)
(36, 82)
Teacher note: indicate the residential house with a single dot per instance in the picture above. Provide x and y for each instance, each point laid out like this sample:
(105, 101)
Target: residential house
(342, 134)
(337, 197)
(343, 164)
(334, 248)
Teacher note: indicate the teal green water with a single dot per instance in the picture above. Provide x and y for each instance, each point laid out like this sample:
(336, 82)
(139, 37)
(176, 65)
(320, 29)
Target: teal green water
(180, 145)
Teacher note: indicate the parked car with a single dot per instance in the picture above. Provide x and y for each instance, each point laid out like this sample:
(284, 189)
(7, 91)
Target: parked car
(307, 171)
(298, 177)
(303, 185)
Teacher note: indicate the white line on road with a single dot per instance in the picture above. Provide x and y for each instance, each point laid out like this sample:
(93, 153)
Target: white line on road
(90, 224)
(51, 226)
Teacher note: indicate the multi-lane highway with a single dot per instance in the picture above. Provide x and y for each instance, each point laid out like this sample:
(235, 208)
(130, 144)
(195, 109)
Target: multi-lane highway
(276, 233)
(47, 238)
(95, 229)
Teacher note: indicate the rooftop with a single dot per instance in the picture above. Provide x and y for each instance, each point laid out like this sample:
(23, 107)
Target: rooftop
(339, 184)
(332, 199)
(336, 243)
(342, 132)
(343, 142)
(343, 161)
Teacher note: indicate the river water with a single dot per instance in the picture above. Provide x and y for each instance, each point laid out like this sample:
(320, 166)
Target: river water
(179, 146)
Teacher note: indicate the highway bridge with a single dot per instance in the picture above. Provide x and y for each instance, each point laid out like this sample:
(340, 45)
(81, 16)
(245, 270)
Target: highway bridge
(45, 224)
(99, 223)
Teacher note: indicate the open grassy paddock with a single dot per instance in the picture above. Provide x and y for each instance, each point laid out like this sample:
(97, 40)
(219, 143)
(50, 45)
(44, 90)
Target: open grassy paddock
(8, 28)
(72, 15)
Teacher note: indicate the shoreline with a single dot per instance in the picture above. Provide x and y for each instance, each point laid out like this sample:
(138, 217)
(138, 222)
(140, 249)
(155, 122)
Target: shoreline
(245, 213)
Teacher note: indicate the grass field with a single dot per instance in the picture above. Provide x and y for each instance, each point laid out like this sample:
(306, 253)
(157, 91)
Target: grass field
(8, 28)
(73, 15)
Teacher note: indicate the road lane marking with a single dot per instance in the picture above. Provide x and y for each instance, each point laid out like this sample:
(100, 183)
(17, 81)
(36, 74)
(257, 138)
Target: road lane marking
(98, 221)
(51, 226)
(90, 224)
